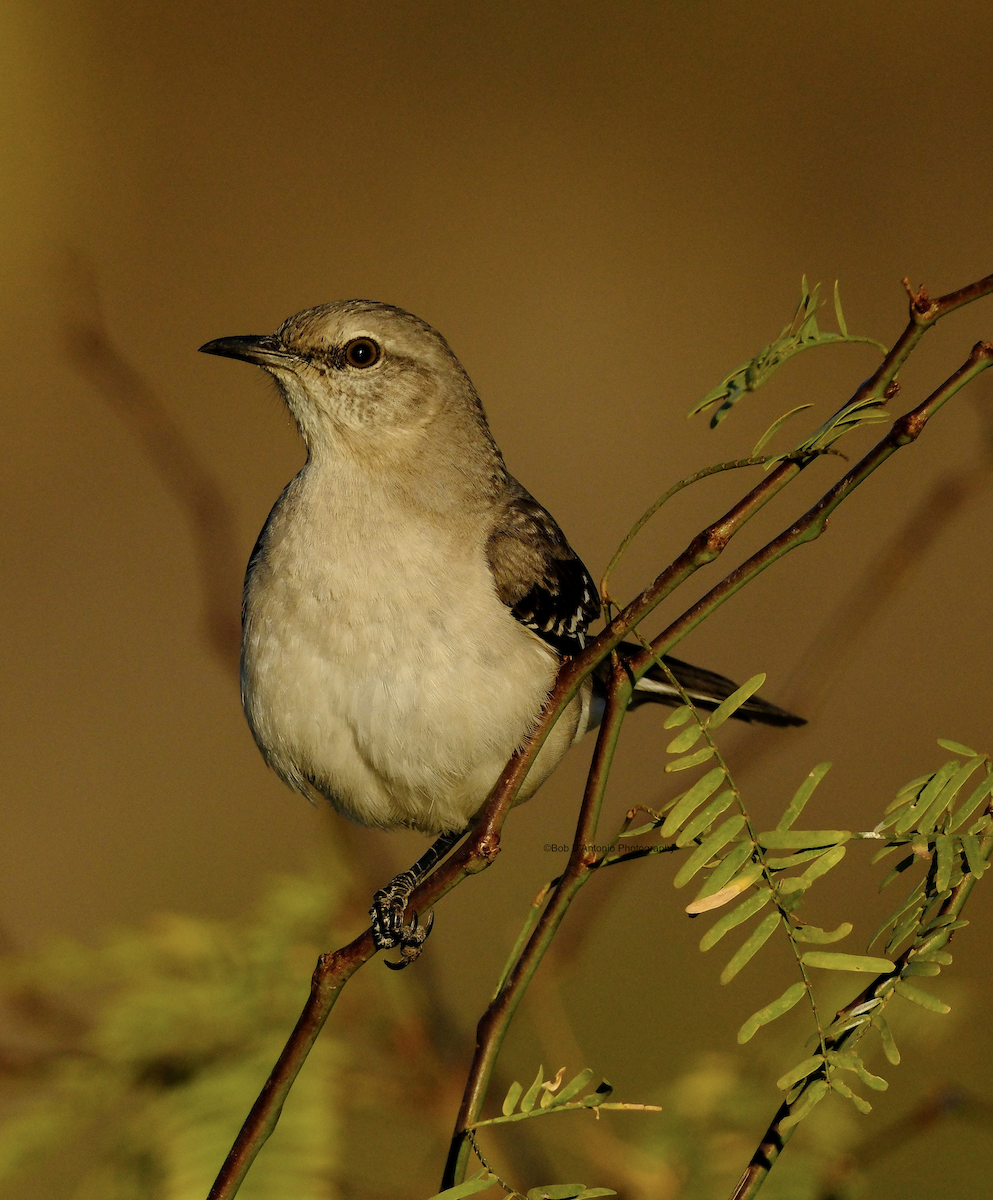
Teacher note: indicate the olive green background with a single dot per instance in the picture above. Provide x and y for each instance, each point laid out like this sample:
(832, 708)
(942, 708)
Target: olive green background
(604, 208)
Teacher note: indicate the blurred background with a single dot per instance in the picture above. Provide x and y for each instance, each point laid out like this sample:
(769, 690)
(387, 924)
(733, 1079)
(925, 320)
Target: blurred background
(604, 207)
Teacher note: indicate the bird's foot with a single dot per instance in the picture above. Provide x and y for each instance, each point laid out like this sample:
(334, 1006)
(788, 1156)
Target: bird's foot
(388, 930)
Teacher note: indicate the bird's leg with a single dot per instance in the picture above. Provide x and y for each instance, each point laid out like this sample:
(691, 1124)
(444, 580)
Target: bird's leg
(390, 903)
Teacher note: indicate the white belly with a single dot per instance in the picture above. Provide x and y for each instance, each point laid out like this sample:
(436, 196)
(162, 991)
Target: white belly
(381, 669)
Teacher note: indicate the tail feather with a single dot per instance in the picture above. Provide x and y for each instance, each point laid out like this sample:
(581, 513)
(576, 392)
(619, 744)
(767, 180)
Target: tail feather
(705, 688)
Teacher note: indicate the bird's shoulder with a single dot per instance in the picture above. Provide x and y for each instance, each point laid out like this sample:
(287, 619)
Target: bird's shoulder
(538, 575)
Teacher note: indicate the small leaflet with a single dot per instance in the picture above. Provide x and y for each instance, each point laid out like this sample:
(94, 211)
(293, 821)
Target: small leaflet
(737, 916)
(477, 1183)
(691, 760)
(924, 999)
(811, 933)
(957, 748)
(701, 791)
(514, 1093)
(733, 702)
(801, 839)
(727, 893)
(723, 873)
(800, 1071)
(572, 1088)
(761, 934)
(723, 834)
(678, 716)
(886, 1037)
(705, 817)
(803, 794)
(777, 1008)
(815, 1093)
(830, 960)
(775, 427)
(974, 854)
(685, 739)
(527, 1104)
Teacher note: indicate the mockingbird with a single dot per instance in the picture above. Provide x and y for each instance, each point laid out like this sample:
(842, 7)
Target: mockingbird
(408, 602)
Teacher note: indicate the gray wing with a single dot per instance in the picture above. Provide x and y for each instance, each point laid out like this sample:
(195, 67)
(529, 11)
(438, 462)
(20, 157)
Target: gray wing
(539, 576)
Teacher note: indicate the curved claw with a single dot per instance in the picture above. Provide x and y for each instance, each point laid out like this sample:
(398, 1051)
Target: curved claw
(412, 939)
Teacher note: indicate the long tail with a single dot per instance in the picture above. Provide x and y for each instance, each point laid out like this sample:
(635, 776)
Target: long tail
(705, 688)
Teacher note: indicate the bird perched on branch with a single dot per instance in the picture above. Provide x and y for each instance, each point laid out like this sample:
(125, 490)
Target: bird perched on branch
(408, 603)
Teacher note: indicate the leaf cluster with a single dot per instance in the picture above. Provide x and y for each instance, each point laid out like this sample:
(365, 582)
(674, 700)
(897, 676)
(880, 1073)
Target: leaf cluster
(766, 875)
(801, 333)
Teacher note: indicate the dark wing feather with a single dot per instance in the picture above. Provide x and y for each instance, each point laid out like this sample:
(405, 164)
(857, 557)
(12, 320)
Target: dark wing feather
(705, 688)
(539, 576)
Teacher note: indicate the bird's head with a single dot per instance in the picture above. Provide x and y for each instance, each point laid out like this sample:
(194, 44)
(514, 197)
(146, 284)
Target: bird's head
(360, 374)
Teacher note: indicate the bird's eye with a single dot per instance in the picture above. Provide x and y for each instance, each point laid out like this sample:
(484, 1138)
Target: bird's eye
(362, 352)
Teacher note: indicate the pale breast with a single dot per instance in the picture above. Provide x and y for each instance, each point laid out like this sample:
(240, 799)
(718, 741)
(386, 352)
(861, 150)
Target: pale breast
(379, 665)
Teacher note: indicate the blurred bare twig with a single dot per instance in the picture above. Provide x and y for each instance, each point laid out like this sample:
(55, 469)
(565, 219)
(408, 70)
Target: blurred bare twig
(191, 484)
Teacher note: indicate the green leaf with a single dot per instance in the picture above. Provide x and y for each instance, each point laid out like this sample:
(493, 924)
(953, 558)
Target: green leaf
(700, 792)
(801, 839)
(974, 855)
(924, 999)
(630, 833)
(724, 833)
(921, 968)
(957, 748)
(691, 760)
(705, 817)
(795, 860)
(820, 866)
(777, 1008)
(914, 787)
(943, 860)
(969, 806)
(775, 427)
(843, 1089)
(830, 960)
(678, 716)
(760, 935)
(741, 882)
(728, 707)
(722, 875)
(685, 739)
(803, 794)
(839, 316)
(941, 957)
(909, 819)
(514, 1093)
(572, 1088)
(810, 933)
(531, 1095)
(946, 797)
(478, 1183)
(800, 1071)
(850, 1061)
(815, 1093)
(886, 1037)
(737, 916)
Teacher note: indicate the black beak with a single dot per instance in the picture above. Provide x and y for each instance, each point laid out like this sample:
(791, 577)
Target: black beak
(265, 350)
